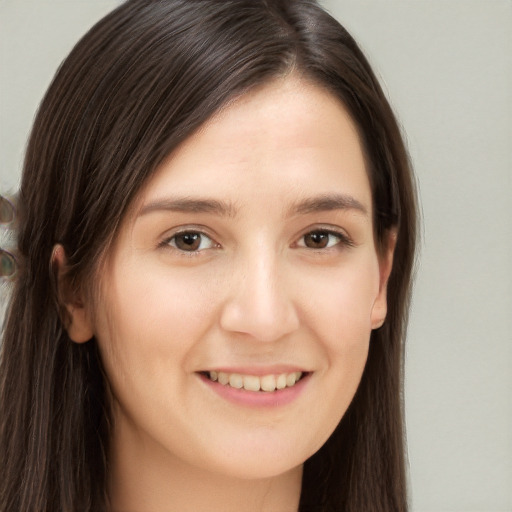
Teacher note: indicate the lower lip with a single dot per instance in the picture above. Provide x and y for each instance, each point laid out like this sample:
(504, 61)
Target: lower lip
(276, 398)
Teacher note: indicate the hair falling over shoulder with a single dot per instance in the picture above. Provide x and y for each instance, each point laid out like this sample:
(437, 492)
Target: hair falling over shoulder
(139, 83)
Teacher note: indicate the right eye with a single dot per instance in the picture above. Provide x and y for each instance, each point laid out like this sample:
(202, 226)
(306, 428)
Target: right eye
(190, 241)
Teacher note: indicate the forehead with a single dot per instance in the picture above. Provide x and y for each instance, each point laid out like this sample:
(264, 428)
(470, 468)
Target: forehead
(278, 144)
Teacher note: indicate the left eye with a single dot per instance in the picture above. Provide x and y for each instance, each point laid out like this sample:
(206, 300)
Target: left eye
(321, 239)
(190, 241)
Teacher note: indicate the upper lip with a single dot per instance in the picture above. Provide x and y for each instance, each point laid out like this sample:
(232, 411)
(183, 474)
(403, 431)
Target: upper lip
(258, 370)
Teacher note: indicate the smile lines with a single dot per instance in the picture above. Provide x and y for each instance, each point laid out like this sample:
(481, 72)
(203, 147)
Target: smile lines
(254, 383)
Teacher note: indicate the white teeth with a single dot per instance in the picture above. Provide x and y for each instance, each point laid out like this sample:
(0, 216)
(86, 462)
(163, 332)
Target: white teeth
(236, 381)
(251, 383)
(290, 379)
(267, 383)
(223, 378)
(281, 381)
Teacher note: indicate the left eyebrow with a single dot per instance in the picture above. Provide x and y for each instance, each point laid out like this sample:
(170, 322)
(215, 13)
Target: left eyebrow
(327, 202)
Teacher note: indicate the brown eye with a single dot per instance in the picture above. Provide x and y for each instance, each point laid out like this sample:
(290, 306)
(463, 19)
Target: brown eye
(316, 240)
(191, 241)
(321, 239)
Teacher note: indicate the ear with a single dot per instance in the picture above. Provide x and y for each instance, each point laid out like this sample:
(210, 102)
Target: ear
(76, 322)
(380, 306)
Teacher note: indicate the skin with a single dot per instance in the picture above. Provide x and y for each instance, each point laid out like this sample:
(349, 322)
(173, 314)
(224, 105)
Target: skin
(255, 292)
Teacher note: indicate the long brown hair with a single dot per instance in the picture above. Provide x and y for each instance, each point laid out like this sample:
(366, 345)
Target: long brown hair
(141, 81)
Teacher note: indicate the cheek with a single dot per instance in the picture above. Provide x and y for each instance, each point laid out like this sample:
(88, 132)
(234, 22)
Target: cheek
(337, 313)
(340, 316)
(150, 321)
(341, 307)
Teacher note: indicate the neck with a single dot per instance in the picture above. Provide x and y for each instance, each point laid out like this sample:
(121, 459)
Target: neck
(144, 477)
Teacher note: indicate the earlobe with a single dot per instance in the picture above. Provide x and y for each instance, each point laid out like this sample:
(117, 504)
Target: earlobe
(76, 320)
(380, 306)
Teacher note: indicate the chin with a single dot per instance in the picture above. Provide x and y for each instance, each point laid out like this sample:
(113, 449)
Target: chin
(263, 459)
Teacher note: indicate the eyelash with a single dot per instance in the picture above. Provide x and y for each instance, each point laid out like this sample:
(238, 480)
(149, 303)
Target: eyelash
(343, 241)
(168, 242)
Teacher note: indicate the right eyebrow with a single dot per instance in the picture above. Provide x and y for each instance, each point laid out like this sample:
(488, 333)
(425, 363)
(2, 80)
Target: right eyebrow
(189, 205)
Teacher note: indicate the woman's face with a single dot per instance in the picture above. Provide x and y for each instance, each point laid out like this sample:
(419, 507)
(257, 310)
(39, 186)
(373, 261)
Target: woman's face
(249, 257)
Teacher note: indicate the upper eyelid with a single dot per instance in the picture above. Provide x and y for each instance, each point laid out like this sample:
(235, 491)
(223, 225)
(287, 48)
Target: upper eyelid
(335, 230)
(344, 239)
(202, 230)
(165, 243)
(190, 231)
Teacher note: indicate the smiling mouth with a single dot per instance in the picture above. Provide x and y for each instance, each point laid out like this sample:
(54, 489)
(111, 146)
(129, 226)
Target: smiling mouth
(263, 383)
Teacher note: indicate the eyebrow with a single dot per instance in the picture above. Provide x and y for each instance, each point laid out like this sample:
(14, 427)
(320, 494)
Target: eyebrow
(324, 202)
(190, 205)
(327, 202)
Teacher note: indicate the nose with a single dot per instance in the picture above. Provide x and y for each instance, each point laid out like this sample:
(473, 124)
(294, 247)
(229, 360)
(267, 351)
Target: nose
(261, 304)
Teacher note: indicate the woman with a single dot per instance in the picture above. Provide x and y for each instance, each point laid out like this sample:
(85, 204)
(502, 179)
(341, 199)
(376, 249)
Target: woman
(216, 235)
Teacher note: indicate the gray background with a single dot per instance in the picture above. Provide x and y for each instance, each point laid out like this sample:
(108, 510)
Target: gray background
(446, 65)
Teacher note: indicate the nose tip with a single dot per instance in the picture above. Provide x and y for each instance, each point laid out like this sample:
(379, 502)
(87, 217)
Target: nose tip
(261, 306)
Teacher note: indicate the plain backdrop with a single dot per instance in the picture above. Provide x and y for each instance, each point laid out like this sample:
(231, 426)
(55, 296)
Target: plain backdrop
(447, 68)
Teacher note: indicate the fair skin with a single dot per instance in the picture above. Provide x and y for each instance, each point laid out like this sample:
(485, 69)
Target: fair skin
(250, 252)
